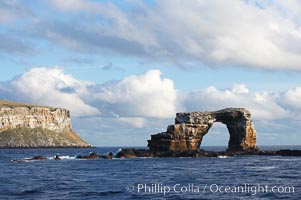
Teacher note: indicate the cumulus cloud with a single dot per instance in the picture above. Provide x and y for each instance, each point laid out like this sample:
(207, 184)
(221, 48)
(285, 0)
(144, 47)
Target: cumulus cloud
(263, 105)
(146, 95)
(49, 86)
(129, 99)
(137, 99)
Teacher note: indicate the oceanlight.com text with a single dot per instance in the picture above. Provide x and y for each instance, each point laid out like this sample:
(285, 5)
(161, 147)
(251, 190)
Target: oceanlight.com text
(191, 188)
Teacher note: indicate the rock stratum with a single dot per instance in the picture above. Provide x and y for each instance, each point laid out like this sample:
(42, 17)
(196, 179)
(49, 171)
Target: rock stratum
(187, 133)
(31, 126)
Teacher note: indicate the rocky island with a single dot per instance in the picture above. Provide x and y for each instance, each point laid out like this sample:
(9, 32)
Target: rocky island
(189, 129)
(30, 126)
(184, 138)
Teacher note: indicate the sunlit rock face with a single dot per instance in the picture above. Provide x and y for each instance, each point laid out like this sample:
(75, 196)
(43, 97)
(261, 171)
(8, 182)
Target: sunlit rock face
(189, 128)
(24, 125)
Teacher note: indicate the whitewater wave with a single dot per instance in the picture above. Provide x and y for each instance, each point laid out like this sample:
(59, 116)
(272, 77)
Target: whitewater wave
(261, 168)
(63, 157)
(222, 156)
(285, 159)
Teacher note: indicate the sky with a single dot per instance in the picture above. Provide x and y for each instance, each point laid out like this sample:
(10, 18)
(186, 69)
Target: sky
(125, 68)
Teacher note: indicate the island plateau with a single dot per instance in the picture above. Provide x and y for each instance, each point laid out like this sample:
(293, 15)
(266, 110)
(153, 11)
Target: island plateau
(31, 126)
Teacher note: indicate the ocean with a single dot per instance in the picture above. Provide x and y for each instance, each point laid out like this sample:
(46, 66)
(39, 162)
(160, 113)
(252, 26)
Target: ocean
(239, 177)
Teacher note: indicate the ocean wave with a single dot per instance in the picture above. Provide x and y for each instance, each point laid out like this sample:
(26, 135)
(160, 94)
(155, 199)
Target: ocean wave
(222, 156)
(260, 168)
(286, 159)
(66, 157)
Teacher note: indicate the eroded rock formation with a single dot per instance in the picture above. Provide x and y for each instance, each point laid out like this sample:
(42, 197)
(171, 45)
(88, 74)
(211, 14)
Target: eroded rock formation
(23, 125)
(189, 129)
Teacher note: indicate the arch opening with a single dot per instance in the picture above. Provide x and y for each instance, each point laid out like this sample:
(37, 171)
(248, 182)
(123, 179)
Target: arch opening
(217, 137)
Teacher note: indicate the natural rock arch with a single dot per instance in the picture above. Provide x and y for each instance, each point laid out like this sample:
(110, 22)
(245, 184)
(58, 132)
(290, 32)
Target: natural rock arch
(189, 128)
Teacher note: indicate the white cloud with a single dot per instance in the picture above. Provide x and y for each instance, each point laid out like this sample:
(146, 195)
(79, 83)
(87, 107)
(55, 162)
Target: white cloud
(240, 88)
(137, 99)
(253, 33)
(145, 95)
(136, 122)
(130, 99)
(262, 105)
(51, 87)
(291, 99)
(242, 33)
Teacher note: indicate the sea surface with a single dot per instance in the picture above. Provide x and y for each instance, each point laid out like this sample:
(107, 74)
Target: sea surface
(239, 177)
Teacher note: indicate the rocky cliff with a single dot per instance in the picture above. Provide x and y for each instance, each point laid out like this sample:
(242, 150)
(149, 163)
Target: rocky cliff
(25, 125)
(189, 128)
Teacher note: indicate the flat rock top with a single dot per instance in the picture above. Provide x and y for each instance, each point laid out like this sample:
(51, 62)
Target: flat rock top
(243, 110)
(224, 115)
(226, 110)
(11, 104)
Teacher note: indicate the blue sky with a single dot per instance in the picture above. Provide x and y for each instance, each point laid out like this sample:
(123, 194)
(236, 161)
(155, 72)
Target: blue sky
(124, 68)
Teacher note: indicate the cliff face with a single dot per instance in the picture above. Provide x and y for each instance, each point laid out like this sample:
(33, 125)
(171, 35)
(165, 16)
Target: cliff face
(189, 128)
(23, 125)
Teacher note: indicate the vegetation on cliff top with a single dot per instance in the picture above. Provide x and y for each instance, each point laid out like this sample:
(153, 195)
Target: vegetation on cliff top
(5, 103)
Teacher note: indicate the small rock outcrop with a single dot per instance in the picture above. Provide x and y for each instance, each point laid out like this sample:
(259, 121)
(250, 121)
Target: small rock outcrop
(25, 125)
(189, 129)
(30, 159)
(91, 156)
(134, 153)
(109, 156)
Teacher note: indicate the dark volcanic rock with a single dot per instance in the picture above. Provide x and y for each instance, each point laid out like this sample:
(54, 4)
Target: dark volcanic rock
(197, 154)
(91, 156)
(133, 153)
(57, 157)
(283, 152)
(31, 159)
(37, 158)
(109, 156)
(287, 152)
(187, 133)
